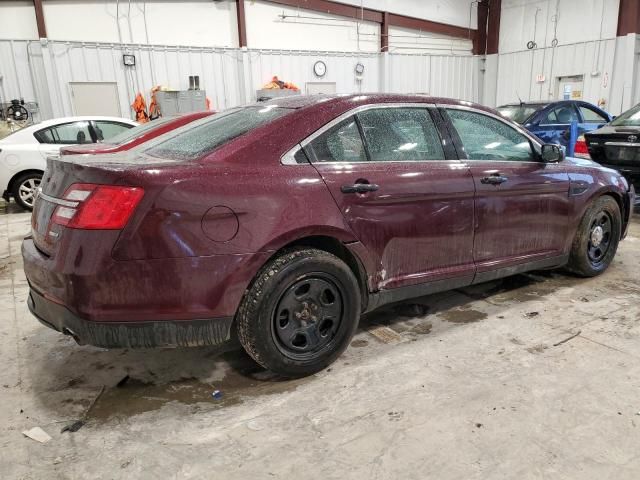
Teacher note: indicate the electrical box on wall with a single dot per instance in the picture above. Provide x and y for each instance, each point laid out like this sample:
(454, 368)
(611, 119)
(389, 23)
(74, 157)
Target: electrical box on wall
(181, 101)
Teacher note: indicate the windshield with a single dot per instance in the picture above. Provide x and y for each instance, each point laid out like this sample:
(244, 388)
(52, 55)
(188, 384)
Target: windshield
(221, 128)
(630, 118)
(135, 132)
(519, 113)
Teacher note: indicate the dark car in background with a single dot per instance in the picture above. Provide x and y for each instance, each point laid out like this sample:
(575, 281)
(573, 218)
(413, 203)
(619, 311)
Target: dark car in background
(286, 220)
(135, 136)
(617, 145)
(551, 121)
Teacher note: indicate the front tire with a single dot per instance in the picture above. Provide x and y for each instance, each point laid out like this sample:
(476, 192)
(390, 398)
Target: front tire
(25, 188)
(597, 238)
(300, 312)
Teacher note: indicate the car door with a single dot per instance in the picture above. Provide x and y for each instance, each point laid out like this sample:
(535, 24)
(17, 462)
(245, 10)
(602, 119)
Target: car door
(553, 124)
(521, 203)
(401, 190)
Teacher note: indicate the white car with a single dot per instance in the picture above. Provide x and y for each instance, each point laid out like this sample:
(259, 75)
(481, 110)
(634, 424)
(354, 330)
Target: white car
(23, 154)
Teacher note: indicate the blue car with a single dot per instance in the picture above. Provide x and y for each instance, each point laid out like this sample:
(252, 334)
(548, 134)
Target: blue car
(551, 121)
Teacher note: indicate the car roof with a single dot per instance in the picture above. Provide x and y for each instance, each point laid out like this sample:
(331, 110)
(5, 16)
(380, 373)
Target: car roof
(306, 101)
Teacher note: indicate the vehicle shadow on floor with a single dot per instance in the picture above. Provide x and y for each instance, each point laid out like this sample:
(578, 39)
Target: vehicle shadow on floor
(68, 378)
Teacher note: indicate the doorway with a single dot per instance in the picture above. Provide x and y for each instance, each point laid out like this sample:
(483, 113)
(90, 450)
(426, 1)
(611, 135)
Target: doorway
(95, 98)
(570, 88)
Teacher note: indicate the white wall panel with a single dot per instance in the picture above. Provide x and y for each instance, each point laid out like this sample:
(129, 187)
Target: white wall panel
(18, 20)
(307, 30)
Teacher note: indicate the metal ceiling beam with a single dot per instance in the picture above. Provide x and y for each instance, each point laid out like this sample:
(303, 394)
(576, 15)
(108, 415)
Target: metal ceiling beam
(42, 28)
(628, 17)
(242, 24)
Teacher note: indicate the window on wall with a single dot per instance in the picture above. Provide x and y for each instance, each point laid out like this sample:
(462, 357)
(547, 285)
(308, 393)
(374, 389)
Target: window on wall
(400, 134)
(486, 138)
(341, 143)
(591, 116)
(68, 133)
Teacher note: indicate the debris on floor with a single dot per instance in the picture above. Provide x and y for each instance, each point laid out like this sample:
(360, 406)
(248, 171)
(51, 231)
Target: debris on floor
(568, 338)
(385, 334)
(37, 434)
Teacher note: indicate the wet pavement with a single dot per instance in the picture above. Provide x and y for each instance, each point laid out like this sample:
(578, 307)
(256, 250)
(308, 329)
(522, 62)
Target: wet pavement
(537, 375)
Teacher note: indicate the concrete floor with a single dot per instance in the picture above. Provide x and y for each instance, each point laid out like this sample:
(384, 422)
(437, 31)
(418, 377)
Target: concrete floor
(468, 384)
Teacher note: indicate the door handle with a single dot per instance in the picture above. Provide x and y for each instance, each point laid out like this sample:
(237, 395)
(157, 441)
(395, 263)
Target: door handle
(359, 188)
(495, 179)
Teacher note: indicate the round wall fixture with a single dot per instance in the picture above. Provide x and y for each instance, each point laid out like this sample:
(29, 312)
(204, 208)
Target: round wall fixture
(220, 223)
(320, 68)
(359, 69)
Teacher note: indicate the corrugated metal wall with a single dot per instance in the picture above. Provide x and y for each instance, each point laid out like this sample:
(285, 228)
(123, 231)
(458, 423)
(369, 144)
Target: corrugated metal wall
(42, 72)
(454, 76)
(517, 72)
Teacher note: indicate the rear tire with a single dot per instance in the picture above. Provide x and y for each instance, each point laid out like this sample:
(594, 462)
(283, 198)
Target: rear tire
(597, 238)
(300, 312)
(24, 189)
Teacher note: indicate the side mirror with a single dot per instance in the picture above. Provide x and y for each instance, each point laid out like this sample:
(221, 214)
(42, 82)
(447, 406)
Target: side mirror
(552, 153)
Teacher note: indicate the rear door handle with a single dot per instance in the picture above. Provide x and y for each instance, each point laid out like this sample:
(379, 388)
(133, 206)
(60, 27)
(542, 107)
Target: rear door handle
(359, 188)
(496, 179)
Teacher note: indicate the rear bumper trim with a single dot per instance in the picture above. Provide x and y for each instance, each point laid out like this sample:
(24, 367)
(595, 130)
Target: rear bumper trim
(148, 334)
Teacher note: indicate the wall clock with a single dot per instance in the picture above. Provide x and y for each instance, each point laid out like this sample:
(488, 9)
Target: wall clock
(320, 68)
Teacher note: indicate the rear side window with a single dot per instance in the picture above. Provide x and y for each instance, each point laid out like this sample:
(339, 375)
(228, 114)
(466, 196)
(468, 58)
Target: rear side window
(107, 130)
(400, 134)
(591, 116)
(341, 143)
(486, 138)
(67, 133)
(195, 142)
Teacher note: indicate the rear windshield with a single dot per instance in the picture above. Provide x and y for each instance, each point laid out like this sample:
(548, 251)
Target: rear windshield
(195, 142)
(135, 132)
(630, 118)
(519, 113)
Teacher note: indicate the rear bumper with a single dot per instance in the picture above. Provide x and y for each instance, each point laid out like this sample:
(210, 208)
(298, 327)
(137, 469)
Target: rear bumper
(179, 333)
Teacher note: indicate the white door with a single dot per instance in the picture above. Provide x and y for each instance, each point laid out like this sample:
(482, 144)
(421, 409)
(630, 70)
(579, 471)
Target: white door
(95, 98)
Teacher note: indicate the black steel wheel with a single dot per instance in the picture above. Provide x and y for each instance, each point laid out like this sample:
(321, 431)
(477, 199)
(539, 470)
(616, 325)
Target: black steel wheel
(596, 241)
(600, 236)
(300, 312)
(307, 316)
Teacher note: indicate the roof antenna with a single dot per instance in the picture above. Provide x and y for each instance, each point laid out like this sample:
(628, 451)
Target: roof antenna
(518, 95)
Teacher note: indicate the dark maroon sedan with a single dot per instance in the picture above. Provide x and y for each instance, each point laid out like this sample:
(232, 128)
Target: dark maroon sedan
(287, 220)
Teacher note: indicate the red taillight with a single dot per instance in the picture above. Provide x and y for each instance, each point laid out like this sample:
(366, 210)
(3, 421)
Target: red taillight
(99, 207)
(581, 149)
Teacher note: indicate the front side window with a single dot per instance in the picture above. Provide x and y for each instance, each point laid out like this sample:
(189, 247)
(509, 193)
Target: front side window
(341, 143)
(486, 138)
(67, 133)
(202, 139)
(560, 116)
(591, 116)
(400, 134)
